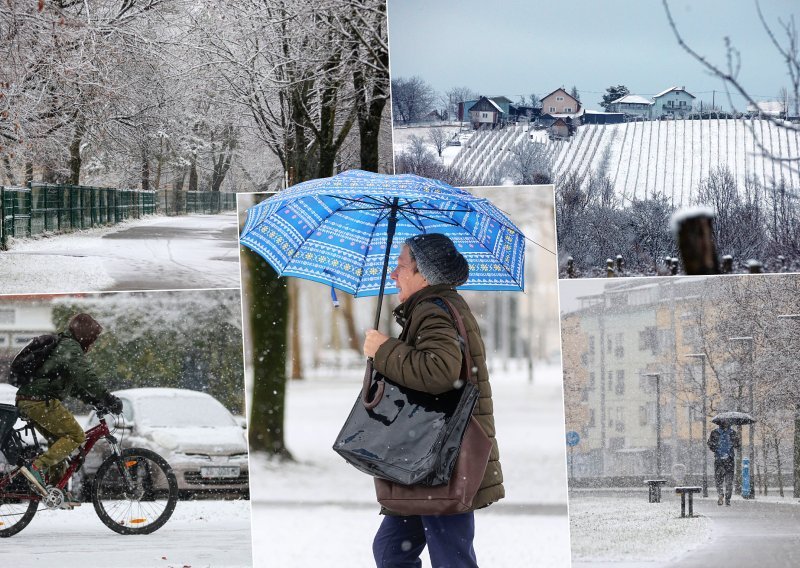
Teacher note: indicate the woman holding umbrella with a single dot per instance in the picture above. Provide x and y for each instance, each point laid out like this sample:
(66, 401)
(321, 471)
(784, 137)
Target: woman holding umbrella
(427, 357)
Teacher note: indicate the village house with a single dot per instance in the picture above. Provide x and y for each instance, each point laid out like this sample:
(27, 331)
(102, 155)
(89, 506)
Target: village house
(634, 106)
(488, 112)
(675, 102)
(560, 102)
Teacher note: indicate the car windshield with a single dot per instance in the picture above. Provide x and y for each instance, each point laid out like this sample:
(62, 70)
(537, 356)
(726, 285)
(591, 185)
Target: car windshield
(177, 412)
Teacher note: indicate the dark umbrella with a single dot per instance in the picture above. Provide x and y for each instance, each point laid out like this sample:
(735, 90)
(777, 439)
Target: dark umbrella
(733, 417)
(342, 231)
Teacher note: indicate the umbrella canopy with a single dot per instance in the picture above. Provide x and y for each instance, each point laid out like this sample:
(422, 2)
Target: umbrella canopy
(733, 417)
(342, 231)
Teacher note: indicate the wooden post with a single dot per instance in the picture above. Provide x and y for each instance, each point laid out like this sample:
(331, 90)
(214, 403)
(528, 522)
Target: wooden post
(610, 268)
(570, 267)
(694, 232)
(755, 267)
(727, 264)
(620, 264)
(674, 266)
(782, 260)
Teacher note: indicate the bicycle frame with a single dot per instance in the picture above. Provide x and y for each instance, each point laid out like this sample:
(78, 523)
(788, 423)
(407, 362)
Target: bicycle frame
(93, 435)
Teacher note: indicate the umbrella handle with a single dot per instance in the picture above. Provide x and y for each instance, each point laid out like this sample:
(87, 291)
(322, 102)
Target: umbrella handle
(370, 404)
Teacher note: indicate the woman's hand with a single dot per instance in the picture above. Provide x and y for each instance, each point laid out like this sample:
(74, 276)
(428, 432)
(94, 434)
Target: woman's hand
(372, 342)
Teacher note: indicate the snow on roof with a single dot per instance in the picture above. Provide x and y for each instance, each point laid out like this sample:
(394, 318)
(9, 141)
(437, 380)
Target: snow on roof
(662, 93)
(633, 100)
(495, 105)
(682, 215)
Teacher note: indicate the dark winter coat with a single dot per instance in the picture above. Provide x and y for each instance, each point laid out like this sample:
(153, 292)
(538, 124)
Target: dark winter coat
(427, 357)
(66, 372)
(713, 442)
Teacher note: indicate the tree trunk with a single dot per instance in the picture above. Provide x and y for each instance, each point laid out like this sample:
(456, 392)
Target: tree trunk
(193, 173)
(145, 170)
(267, 297)
(294, 311)
(28, 172)
(353, 337)
(9, 170)
(764, 450)
(776, 443)
(75, 152)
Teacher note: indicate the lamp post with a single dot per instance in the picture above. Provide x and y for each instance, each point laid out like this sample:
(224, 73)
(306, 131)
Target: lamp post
(751, 430)
(705, 421)
(658, 421)
(796, 472)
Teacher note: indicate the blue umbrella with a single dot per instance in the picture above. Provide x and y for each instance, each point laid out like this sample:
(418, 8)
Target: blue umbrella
(342, 231)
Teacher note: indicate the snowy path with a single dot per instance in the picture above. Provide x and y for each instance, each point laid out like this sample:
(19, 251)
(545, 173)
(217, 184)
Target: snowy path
(322, 508)
(196, 251)
(612, 529)
(746, 534)
(200, 534)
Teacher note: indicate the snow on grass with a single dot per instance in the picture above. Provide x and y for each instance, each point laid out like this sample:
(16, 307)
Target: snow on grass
(199, 534)
(625, 527)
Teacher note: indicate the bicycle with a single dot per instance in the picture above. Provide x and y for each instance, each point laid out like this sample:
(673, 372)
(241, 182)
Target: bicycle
(133, 492)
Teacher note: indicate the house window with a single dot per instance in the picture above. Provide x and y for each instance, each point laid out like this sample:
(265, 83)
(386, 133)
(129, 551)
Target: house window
(559, 98)
(620, 388)
(552, 109)
(619, 350)
(568, 109)
(485, 115)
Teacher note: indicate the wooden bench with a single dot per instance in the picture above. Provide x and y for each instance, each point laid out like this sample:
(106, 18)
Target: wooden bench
(654, 486)
(683, 491)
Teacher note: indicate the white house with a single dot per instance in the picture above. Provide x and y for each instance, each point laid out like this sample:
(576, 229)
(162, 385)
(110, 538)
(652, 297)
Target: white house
(675, 102)
(632, 105)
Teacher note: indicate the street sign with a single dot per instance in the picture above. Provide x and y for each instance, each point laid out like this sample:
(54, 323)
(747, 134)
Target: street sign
(573, 438)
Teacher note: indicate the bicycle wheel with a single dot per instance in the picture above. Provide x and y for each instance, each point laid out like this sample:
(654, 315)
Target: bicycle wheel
(15, 514)
(135, 493)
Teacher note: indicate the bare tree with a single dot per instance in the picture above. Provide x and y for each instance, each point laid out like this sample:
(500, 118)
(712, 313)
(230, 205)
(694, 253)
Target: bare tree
(438, 137)
(412, 98)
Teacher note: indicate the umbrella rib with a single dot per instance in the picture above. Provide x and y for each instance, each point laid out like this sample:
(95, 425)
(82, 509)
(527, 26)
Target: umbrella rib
(419, 227)
(369, 242)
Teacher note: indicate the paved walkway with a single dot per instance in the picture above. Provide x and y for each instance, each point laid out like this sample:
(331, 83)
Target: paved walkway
(753, 534)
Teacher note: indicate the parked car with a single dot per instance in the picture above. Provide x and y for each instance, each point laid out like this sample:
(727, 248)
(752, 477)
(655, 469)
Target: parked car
(193, 431)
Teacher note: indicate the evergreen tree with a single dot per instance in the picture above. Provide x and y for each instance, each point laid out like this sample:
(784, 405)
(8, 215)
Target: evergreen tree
(612, 94)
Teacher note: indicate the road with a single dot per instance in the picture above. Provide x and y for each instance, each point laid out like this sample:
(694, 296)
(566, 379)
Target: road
(156, 253)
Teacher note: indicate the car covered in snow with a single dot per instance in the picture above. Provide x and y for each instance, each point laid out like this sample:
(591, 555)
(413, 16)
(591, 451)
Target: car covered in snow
(193, 431)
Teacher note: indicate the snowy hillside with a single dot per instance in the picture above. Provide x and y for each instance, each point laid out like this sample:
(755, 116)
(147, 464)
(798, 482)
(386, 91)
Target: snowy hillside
(667, 157)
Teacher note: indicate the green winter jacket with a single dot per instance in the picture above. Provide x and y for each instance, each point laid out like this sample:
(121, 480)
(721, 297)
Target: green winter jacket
(66, 372)
(427, 357)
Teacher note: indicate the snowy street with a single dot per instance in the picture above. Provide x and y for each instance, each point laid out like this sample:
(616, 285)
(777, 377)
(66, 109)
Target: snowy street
(620, 529)
(194, 251)
(322, 509)
(200, 534)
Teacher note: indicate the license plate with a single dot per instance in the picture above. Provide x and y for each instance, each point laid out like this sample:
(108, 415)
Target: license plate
(219, 472)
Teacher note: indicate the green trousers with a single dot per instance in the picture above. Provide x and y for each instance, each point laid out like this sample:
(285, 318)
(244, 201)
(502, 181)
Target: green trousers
(62, 431)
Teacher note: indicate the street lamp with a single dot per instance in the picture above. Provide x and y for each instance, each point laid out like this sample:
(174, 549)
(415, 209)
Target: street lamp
(658, 421)
(751, 431)
(796, 493)
(705, 420)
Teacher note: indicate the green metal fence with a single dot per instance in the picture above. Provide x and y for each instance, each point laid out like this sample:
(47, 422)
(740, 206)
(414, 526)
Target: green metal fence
(45, 208)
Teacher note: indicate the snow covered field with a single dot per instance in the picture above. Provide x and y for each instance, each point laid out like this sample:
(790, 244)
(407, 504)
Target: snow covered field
(195, 251)
(323, 510)
(668, 157)
(624, 527)
(200, 534)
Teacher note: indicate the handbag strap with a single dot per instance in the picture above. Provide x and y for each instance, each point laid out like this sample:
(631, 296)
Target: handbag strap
(466, 374)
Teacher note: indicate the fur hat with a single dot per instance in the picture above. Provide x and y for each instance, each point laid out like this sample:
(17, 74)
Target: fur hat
(438, 260)
(84, 329)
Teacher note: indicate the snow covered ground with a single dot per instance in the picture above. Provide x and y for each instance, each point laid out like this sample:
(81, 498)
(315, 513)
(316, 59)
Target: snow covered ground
(195, 251)
(622, 526)
(322, 511)
(200, 534)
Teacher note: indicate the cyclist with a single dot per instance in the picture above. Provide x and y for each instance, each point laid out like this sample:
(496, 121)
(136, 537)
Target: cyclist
(65, 372)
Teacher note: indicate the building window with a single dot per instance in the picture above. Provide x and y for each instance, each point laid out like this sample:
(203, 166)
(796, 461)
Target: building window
(591, 347)
(567, 109)
(619, 350)
(642, 416)
(620, 388)
(616, 443)
(591, 380)
(22, 339)
(559, 98)
(591, 418)
(609, 345)
(8, 316)
(4, 341)
(552, 109)
(648, 339)
(610, 380)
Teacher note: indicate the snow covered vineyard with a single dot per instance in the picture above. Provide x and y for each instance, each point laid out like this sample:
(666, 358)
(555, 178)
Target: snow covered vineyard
(669, 157)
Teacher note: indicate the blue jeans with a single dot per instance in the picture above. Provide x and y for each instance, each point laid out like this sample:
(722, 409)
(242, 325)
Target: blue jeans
(400, 541)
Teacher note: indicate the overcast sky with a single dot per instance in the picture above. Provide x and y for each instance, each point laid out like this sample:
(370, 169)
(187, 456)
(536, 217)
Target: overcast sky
(518, 47)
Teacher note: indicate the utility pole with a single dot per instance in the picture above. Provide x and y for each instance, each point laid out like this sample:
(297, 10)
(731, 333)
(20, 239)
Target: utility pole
(658, 421)
(705, 422)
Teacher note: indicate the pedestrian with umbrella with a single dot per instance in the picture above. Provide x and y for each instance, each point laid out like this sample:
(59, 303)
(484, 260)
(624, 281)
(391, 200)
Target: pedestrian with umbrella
(342, 231)
(724, 441)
